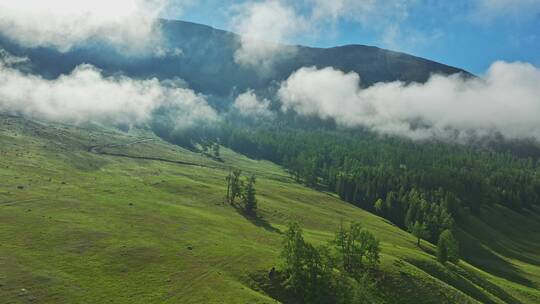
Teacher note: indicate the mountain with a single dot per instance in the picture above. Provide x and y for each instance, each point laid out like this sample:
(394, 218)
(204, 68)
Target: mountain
(204, 58)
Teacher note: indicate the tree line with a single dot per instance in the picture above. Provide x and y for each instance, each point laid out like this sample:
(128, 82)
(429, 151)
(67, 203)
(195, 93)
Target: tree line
(430, 183)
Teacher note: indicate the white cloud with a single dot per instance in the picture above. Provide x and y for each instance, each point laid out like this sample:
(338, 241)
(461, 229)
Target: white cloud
(367, 12)
(162, 52)
(507, 100)
(402, 38)
(490, 10)
(249, 105)
(86, 95)
(9, 60)
(262, 25)
(63, 24)
(385, 18)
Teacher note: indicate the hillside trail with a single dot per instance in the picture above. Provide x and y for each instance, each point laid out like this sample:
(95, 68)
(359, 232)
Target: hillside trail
(99, 150)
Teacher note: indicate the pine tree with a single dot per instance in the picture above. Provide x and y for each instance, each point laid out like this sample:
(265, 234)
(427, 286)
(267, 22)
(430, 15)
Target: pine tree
(420, 231)
(234, 185)
(379, 207)
(250, 200)
(447, 247)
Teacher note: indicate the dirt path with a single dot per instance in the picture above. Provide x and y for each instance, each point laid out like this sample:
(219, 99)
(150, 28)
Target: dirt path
(99, 150)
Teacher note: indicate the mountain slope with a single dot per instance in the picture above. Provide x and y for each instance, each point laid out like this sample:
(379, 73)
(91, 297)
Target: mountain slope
(204, 58)
(91, 214)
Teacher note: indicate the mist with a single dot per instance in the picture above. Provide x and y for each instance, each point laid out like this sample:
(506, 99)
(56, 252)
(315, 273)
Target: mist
(128, 24)
(248, 104)
(505, 100)
(86, 95)
(262, 25)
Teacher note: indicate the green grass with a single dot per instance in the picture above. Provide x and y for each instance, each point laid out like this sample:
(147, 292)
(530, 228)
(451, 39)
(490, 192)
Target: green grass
(89, 228)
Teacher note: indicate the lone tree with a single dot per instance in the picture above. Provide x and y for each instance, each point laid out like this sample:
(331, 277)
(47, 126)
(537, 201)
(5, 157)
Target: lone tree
(234, 185)
(420, 231)
(250, 201)
(447, 247)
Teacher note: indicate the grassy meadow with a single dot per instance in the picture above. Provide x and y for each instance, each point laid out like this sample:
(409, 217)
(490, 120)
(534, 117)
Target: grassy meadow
(146, 223)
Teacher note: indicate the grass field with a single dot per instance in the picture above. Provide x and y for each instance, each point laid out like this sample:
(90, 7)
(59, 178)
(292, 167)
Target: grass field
(147, 224)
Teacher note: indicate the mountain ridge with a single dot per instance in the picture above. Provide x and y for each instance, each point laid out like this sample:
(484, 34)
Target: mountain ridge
(203, 55)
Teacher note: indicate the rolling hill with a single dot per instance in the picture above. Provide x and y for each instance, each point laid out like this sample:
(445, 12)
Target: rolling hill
(91, 214)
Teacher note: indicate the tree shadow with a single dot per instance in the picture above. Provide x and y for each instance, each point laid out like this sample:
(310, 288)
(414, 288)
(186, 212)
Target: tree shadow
(273, 284)
(464, 280)
(256, 220)
(475, 252)
(492, 288)
(425, 248)
(517, 242)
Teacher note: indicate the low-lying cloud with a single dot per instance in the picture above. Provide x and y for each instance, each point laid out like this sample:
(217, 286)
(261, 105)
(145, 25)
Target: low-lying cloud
(505, 100)
(87, 95)
(248, 104)
(262, 25)
(63, 24)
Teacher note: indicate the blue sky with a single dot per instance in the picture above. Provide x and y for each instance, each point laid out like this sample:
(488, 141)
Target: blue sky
(470, 34)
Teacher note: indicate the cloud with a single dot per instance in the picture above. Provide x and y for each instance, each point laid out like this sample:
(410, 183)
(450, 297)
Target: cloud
(506, 100)
(249, 105)
(63, 24)
(9, 60)
(370, 12)
(486, 11)
(404, 38)
(385, 18)
(262, 25)
(163, 52)
(86, 95)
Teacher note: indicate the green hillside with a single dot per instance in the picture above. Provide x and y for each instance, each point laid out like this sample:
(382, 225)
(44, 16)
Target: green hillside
(95, 215)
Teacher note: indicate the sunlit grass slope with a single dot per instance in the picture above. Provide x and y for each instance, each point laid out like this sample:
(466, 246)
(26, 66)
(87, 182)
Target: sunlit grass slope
(147, 224)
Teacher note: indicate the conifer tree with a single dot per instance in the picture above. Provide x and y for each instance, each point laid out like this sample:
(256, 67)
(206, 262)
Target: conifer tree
(420, 231)
(250, 200)
(447, 247)
(234, 185)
